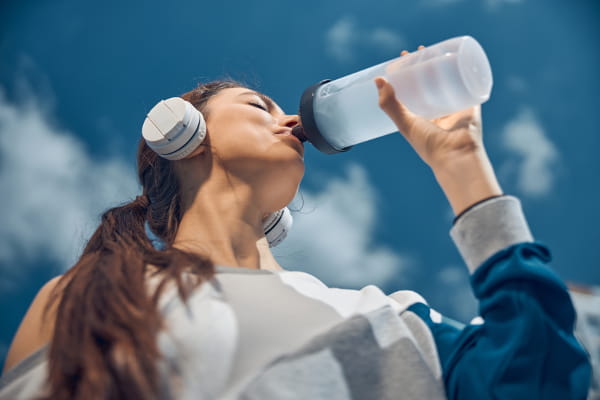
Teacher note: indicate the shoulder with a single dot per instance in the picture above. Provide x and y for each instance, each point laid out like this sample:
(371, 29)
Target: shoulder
(35, 330)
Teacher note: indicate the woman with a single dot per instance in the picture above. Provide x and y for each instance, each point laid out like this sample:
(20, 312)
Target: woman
(205, 318)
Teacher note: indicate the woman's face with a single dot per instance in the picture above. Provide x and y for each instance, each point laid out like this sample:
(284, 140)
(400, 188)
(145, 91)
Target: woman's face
(250, 137)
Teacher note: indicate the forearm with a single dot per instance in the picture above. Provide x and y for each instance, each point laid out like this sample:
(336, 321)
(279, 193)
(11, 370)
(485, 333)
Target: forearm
(467, 180)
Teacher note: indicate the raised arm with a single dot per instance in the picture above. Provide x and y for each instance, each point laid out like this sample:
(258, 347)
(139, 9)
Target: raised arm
(525, 348)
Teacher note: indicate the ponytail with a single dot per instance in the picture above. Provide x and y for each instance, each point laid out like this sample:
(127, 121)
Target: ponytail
(104, 344)
(103, 303)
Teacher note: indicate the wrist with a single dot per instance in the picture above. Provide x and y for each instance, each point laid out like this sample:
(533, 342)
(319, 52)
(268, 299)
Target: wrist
(467, 180)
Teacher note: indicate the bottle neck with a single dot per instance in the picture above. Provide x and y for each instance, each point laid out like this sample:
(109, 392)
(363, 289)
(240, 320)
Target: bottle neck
(309, 124)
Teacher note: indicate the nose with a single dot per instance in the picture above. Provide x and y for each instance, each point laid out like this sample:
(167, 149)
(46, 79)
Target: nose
(293, 121)
(289, 121)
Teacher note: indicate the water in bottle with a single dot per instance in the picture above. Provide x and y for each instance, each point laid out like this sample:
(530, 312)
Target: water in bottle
(447, 77)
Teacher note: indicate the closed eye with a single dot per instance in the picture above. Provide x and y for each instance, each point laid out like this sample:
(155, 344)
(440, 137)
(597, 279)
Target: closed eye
(261, 106)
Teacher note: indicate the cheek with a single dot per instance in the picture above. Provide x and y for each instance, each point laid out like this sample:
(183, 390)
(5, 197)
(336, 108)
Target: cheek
(235, 145)
(241, 139)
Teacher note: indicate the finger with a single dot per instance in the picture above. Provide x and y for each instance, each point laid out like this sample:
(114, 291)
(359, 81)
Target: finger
(388, 102)
(475, 123)
(405, 52)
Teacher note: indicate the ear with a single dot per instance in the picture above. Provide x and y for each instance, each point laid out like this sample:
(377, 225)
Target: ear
(174, 129)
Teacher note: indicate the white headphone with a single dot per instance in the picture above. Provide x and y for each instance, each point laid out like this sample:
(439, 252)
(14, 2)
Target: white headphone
(174, 128)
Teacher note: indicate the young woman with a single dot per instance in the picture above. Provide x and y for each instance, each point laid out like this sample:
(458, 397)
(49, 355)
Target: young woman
(211, 315)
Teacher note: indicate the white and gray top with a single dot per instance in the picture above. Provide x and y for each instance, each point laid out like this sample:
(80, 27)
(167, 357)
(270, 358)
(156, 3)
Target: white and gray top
(251, 334)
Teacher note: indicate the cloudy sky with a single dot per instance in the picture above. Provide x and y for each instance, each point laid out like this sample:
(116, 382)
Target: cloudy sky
(76, 79)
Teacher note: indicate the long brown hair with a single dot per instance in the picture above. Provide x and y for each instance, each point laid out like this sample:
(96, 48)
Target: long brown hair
(104, 342)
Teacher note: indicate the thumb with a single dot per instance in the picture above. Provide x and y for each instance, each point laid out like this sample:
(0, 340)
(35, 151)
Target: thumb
(402, 117)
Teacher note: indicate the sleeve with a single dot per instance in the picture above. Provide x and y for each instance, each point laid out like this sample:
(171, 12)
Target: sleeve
(525, 348)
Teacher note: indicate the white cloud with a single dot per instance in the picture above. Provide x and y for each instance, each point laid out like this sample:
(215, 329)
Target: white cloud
(384, 39)
(537, 157)
(332, 236)
(345, 38)
(52, 191)
(339, 39)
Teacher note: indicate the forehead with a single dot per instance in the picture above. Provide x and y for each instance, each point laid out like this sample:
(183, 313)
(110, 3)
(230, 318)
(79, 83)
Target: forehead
(242, 95)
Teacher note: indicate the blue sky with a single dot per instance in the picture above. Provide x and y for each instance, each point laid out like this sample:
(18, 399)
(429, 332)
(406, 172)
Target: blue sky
(76, 79)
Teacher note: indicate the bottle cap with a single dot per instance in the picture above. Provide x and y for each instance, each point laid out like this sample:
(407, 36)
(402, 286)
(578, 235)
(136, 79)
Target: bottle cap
(309, 124)
(298, 131)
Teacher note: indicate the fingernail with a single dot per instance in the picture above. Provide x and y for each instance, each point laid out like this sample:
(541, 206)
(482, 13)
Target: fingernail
(379, 83)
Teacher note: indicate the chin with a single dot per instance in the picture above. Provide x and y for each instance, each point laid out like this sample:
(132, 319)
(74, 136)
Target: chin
(282, 187)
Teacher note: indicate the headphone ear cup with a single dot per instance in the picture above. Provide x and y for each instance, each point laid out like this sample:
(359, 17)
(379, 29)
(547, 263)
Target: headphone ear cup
(277, 226)
(174, 128)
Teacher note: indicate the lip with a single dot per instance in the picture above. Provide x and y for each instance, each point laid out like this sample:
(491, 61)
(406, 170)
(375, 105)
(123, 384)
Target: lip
(288, 135)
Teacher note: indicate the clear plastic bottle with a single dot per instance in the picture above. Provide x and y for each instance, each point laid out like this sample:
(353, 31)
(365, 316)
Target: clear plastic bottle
(447, 77)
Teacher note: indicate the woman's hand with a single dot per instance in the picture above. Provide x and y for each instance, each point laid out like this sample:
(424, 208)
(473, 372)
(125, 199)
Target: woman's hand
(438, 142)
(451, 145)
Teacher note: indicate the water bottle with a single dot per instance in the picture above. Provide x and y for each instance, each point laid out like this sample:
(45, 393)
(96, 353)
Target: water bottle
(441, 79)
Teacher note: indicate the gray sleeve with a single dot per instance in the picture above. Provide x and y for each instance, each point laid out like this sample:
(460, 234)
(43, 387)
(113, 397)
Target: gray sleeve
(488, 228)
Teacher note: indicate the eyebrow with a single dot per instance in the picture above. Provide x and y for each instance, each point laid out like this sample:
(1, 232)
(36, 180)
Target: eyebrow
(270, 103)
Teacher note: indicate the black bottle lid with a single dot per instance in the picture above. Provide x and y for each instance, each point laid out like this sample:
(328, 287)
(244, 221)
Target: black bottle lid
(310, 129)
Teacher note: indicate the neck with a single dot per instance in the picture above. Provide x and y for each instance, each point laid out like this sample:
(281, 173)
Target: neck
(224, 226)
(267, 261)
(224, 231)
